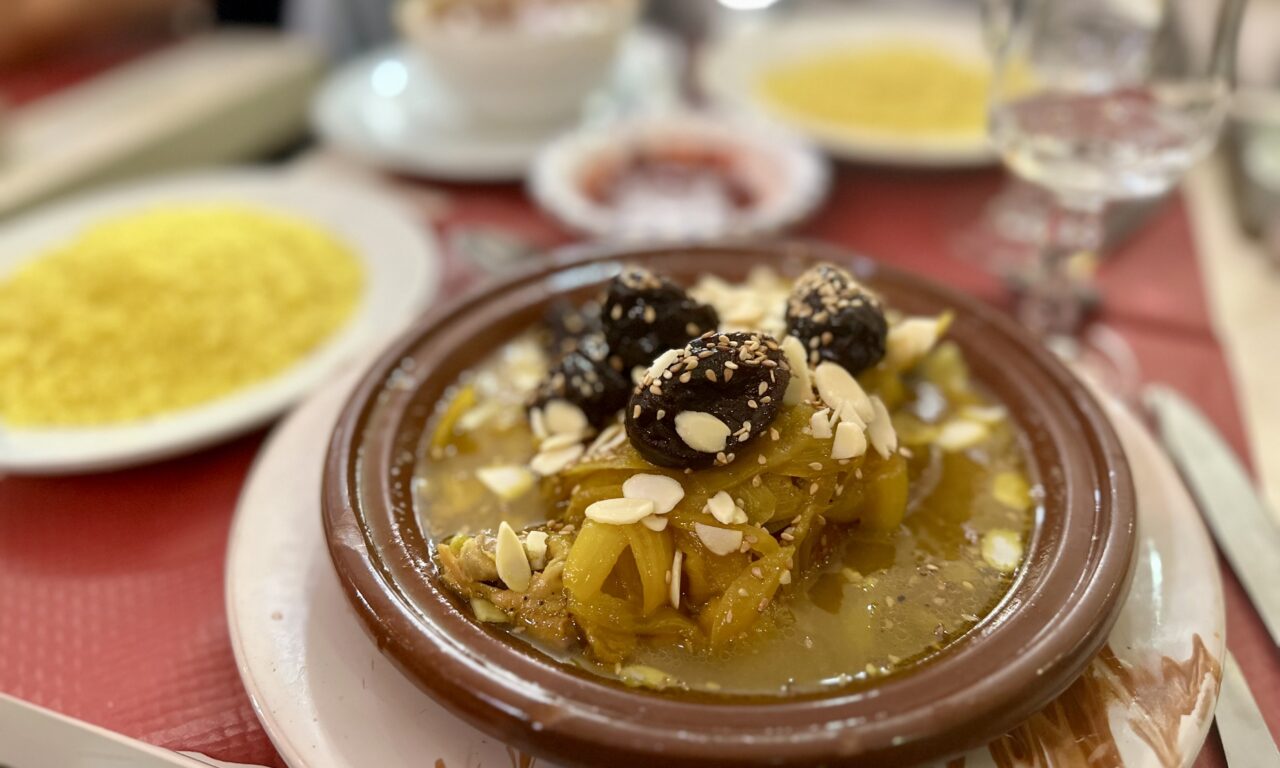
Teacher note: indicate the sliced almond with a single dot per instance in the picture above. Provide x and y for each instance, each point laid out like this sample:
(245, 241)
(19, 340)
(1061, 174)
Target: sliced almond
(488, 612)
(1002, 549)
(656, 523)
(662, 363)
(564, 418)
(548, 463)
(507, 482)
(959, 434)
(538, 423)
(665, 492)
(820, 424)
(987, 414)
(723, 508)
(535, 546)
(840, 390)
(611, 437)
(720, 541)
(557, 441)
(800, 387)
(883, 436)
(702, 431)
(478, 415)
(510, 559)
(677, 562)
(620, 511)
(911, 339)
(850, 441)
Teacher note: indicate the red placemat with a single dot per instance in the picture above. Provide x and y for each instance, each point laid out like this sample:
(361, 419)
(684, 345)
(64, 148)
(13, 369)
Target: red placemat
(111, 585)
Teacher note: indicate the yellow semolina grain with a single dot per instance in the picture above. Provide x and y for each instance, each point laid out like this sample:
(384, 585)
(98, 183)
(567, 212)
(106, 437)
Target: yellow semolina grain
(893, 89)
(165, 309)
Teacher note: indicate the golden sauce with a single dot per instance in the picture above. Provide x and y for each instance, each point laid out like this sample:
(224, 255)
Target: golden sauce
(872, 604)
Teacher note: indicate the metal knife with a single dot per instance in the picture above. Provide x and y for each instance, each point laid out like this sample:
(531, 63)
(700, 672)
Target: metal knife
(1244, 733)
(1242, 525)
(34, 737)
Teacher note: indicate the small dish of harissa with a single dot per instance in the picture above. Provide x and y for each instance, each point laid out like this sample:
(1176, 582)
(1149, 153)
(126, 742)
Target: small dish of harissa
(681, 489)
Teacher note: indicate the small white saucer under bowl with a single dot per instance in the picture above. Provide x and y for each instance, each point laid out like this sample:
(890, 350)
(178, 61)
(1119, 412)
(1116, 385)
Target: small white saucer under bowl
(329, 699)
(386, 108)
(783, 178)
(401, 269)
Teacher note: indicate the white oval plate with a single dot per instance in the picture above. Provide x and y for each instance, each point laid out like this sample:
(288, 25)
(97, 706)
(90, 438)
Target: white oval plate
(729, 68)
(329, 699)
(401, 267)
(384, 107)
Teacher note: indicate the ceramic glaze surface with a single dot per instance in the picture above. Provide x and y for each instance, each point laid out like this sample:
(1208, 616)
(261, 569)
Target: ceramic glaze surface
(329, 699)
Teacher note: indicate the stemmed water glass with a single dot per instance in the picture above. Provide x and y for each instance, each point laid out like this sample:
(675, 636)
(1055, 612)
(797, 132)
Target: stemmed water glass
(1100, 101)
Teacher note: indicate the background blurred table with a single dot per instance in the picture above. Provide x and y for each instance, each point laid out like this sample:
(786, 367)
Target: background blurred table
(111, 585)
(149, 107)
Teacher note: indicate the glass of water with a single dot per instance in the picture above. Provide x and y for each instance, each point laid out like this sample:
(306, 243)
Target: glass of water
(1100, 101)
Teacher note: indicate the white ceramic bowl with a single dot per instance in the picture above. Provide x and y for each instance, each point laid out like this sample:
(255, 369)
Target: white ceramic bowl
(787, 177)
(539, 72)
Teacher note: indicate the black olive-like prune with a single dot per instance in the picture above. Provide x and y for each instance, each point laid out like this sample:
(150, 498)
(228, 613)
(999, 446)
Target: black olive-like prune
(837, 319)
(590, 384)
(644, 315)
(736, 379)
(572, 328)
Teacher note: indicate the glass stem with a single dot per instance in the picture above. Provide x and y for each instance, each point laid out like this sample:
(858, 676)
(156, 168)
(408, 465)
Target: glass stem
(1052, 303)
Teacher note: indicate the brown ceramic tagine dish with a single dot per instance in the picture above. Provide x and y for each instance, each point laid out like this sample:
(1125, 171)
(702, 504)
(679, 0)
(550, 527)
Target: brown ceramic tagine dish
(865, 520)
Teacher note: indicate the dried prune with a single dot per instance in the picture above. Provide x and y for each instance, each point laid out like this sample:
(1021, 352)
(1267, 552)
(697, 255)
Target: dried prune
(695, 406)
(592, 385)
(837, 319)
(644, 315)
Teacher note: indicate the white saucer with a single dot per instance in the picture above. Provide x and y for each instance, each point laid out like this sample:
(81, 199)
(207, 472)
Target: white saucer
(401, 266)
(329, 699)
(730, 66)
(385, 108)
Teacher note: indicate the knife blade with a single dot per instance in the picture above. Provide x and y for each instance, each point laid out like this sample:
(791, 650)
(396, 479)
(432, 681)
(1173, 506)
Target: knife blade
(1244, 528)
(1244, 733)
(34, 737)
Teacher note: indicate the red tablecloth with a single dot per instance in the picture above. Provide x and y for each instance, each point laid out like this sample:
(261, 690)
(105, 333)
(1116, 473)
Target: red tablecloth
(111, 585)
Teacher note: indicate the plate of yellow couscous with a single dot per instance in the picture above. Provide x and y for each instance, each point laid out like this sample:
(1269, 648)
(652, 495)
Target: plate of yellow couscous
(146, 321)
(889, 84)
